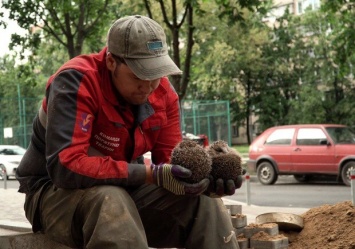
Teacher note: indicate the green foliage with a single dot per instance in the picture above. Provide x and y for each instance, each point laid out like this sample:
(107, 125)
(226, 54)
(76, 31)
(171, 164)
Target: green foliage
(18, 93)
(301, 70)
(62, 23)
(228, 61)
(308, 107)
(179, 18)
(8, 75)
(234, 11)
(310, 80)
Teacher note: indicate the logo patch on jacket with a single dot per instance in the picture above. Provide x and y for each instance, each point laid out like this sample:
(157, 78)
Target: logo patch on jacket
(107, 142)
(85, 122)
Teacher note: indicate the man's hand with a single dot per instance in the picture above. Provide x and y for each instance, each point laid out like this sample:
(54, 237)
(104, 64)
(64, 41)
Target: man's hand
(171, 177)
(219, 187)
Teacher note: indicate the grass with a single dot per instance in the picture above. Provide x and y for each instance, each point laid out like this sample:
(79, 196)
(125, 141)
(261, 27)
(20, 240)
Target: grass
(243, 149)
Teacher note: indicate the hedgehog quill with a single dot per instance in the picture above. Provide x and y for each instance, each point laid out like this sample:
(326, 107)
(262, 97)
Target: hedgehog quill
(194, 157)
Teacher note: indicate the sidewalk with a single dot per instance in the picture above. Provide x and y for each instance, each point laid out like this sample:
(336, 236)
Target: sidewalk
(13, 219)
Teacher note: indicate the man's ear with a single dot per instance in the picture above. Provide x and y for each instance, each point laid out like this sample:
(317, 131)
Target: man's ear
(110, 62)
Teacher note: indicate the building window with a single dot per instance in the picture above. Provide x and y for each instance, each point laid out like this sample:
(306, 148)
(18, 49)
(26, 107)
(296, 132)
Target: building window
(235, 131)
(307, 5)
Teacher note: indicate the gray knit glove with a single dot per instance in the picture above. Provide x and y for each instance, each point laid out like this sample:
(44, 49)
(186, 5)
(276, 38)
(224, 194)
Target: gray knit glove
(171, 177)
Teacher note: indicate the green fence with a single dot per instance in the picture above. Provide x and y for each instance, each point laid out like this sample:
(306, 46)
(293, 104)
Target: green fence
(16, 116)
(210, 118)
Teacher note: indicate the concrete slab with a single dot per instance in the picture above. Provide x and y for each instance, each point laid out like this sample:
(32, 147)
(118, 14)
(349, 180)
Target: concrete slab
(243, 243)
(277, 243)
(28, 241)
(239, 220)
(234, 209)
(17, 226)
(270, 229)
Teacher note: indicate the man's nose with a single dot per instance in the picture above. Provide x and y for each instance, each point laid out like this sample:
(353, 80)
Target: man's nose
(146, 85)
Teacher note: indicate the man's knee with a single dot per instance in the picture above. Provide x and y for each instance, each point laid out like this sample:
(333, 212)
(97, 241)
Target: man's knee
(109, 198)
(106, 211)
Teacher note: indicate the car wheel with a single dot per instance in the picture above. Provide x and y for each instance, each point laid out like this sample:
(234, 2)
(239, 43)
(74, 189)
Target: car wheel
(302, 178)
(266, 173)
(346, 172)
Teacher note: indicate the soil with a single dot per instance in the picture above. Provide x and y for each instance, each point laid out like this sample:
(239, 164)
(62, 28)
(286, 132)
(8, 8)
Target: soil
(326, 227)
(264, 236)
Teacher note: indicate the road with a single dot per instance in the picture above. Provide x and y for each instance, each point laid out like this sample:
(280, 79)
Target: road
(286, 192)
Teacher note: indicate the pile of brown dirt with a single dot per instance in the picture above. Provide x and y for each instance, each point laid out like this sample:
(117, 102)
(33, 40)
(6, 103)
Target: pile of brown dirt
(326, 227)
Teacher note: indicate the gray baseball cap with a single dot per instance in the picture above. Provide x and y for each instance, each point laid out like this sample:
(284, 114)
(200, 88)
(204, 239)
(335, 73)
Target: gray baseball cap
(142, 43)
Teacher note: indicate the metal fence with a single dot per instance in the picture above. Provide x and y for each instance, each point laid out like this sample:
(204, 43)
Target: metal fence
(211, 118)
(16, 116)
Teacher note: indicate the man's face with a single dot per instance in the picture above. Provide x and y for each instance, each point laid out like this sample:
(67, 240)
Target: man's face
(134, 90)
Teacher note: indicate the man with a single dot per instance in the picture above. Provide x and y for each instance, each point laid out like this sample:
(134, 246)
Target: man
(85, 181)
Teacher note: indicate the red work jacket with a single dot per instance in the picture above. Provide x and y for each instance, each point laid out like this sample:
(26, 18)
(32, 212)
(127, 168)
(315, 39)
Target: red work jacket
(89, 136)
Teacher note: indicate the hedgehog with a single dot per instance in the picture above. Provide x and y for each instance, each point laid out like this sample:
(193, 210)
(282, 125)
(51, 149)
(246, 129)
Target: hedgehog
(193, 156)
(226, 162)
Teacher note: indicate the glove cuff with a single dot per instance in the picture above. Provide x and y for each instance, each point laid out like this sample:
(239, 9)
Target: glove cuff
(137, 174)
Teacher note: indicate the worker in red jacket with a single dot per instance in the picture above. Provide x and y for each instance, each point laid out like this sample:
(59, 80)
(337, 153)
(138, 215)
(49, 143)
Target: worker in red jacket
(85, 182)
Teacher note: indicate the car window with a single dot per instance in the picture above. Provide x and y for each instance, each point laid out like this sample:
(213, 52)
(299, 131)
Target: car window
(341, 135)
(9, 152)
(281, 137)
(13, 151)
(311, 136)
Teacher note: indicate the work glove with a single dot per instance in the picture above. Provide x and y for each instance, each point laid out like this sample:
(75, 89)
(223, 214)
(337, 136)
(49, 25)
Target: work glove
(219, 187)
(171, 177)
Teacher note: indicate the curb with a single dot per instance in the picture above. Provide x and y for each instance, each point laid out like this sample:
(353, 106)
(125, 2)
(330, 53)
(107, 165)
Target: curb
(15, 226)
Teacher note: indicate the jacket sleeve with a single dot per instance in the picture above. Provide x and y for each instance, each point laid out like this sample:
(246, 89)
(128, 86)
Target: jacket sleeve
(72, 102)
(170, 134)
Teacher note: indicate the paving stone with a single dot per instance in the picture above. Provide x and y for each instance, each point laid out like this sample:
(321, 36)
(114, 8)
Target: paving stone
(239, 220)
(234, 209)
(243, 243)
(269, 228)
(15, 226)
(239, 231)
(269, 243)
(29, 241)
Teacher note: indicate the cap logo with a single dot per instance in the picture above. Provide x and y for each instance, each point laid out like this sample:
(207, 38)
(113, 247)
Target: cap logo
(155, 45)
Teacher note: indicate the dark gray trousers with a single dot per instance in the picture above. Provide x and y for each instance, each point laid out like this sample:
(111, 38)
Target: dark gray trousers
(114, 217)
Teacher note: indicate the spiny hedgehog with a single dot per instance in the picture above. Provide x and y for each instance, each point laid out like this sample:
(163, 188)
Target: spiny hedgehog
(193, 156)
(226, 162)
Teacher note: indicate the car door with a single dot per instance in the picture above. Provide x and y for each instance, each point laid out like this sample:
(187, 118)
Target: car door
(278, 147)
(312, 153)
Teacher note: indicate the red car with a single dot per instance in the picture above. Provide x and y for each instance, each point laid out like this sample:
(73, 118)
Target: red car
(303, 151)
